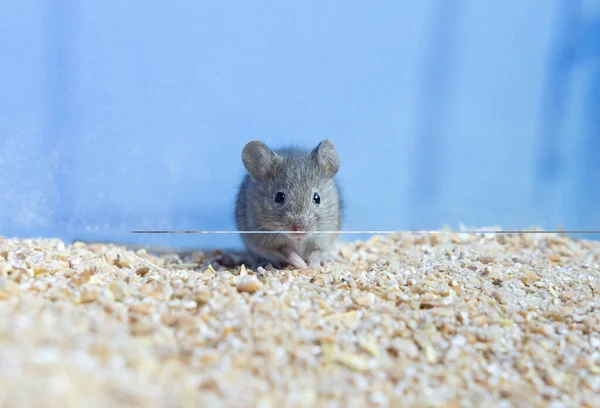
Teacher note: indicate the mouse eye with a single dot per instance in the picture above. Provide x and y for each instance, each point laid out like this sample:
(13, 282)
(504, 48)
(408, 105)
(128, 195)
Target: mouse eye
(279, 197)
(316, 198)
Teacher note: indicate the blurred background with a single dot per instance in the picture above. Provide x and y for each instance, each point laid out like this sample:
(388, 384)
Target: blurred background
(132, 115)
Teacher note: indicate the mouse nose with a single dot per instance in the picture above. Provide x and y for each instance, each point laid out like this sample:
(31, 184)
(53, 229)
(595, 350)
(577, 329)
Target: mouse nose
(298, 226)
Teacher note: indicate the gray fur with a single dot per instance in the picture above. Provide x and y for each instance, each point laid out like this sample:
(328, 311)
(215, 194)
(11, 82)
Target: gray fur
(299, 174)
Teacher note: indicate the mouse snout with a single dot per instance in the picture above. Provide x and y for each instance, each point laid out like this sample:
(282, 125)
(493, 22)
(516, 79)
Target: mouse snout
(299, 226)
(299, 229)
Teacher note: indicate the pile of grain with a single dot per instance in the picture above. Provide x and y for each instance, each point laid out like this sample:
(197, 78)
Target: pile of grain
(444, 320)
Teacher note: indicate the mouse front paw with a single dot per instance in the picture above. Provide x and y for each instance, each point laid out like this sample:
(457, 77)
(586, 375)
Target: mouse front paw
(293, 258)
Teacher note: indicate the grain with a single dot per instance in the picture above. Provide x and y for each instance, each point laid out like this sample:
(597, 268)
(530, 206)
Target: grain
(448, 319)
(249, 284)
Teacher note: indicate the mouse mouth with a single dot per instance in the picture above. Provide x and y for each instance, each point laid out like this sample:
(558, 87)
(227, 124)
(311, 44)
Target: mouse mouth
(297, 235)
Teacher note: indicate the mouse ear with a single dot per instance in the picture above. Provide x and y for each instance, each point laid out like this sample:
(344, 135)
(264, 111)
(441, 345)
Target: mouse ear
(258, 159)
(327, 157)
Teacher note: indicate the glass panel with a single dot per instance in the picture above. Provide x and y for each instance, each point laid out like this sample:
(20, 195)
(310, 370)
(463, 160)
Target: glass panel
(119, 117)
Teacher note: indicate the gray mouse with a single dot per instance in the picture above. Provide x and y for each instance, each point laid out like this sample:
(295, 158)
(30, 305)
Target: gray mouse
(290, 189)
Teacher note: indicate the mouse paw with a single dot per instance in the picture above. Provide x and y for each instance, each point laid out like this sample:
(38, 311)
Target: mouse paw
(293, 258)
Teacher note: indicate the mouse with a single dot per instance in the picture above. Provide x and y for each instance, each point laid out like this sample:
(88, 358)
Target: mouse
(295, 190)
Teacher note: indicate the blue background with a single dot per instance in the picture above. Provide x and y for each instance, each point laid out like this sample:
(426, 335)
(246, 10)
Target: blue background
(132, 115)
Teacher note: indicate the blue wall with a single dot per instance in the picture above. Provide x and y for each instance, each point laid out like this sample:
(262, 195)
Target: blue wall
(132, 115)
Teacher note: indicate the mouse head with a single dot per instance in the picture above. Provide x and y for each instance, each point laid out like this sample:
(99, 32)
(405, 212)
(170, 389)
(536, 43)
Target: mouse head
(292, 189)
